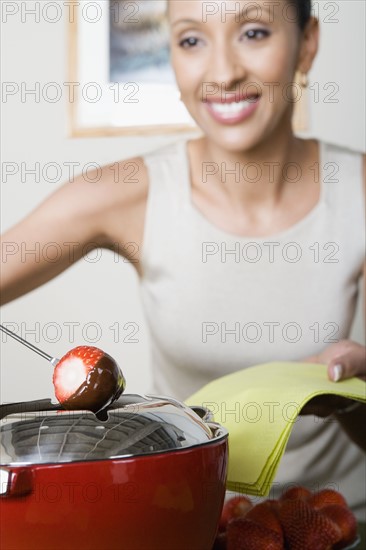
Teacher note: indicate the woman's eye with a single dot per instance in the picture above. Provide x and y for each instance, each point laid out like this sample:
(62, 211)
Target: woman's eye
(256, 34)
(188, 43)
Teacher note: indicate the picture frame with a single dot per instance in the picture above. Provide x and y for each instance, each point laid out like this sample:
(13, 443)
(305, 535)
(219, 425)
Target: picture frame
(143, 102)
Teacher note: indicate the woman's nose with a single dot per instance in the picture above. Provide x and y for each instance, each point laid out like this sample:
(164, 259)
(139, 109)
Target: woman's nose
(225, 67)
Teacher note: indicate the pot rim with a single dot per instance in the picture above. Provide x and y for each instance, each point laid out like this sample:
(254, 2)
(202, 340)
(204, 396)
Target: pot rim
(220, 434)
(217, 431)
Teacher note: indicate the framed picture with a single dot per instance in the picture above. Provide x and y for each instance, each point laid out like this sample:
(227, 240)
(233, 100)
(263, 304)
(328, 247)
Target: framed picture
(120, 78)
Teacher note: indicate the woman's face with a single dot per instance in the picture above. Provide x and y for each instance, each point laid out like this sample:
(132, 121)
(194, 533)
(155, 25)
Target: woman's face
(234, 63)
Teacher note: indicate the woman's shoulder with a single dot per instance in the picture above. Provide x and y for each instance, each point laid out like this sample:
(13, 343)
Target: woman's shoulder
(348, 162)
(344, 178)
(126, 183)
(136, 169)
(166, 152)
(124, 172)
(342, 151)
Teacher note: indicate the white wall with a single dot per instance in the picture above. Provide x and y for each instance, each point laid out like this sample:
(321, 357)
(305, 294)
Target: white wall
(106, 292)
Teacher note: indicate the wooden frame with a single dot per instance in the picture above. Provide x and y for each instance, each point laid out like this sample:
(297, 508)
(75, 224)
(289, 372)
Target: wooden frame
(88, 39)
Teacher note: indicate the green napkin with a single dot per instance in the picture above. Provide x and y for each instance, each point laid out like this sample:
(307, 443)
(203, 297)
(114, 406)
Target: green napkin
(259, 407)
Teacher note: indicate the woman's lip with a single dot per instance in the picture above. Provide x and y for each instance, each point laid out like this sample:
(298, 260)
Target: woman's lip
(234, 117)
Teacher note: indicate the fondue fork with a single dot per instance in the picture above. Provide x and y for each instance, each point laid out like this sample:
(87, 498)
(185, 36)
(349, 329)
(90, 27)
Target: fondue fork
(52, 360)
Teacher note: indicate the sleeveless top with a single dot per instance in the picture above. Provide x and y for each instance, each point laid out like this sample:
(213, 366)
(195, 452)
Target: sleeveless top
(216, 303)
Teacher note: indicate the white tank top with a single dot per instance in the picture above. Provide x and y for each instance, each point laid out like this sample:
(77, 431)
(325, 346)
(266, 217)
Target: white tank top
(216, 303)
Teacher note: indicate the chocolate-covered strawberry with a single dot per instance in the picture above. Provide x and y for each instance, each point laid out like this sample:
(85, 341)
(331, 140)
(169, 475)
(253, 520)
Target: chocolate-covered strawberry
(87, 378)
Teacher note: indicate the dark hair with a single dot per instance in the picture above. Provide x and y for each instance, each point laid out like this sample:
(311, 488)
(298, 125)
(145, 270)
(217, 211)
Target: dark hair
(303, 9)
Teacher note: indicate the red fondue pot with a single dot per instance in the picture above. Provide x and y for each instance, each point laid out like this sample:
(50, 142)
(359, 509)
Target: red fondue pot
(149, 475)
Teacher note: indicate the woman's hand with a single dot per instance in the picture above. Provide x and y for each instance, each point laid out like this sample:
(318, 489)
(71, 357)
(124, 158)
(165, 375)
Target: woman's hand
(344, 359)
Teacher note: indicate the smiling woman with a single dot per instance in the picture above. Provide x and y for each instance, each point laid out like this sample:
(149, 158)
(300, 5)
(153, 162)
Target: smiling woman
(238, 57)
(251, 239)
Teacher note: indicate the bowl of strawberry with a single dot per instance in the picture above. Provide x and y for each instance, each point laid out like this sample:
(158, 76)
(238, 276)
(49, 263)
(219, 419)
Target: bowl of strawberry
(105, 470)
(298, 520)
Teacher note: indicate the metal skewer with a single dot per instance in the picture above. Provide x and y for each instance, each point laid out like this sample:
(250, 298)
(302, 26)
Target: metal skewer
(52, 360)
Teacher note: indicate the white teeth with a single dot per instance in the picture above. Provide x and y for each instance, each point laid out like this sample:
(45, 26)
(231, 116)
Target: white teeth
(231, 108)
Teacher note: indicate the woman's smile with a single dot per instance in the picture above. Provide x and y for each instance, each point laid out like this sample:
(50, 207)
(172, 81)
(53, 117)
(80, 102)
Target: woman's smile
(232, 111)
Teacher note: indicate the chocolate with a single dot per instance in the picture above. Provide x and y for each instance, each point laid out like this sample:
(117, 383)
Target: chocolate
(103, 385)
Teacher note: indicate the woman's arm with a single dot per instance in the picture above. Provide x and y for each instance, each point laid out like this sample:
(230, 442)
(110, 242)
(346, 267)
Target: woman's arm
(344, 359)
(78, 217)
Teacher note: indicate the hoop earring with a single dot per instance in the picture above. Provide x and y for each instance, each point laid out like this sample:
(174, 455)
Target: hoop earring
(300, 118)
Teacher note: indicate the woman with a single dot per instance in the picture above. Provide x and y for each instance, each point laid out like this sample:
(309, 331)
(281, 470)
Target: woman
(247, 253)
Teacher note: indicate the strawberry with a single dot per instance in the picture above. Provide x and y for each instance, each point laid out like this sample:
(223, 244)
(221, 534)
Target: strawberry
(234, 508)
(326, 497)
(345, 520)
(87, 378)
(295, 493)
(305, 528)
(245, 534)
(265, 514)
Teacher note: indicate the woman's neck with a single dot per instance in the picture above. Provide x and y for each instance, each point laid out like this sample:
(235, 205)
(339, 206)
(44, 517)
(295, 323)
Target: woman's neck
(259, 191)
(254, 176)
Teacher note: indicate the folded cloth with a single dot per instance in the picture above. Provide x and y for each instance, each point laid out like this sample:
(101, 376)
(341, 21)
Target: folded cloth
(259, 407)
